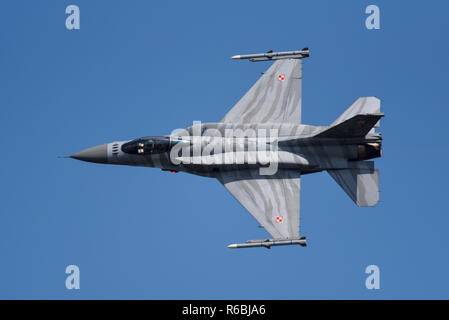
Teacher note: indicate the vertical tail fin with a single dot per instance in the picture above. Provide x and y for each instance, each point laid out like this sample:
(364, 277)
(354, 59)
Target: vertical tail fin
(357, 126)
(361, 180)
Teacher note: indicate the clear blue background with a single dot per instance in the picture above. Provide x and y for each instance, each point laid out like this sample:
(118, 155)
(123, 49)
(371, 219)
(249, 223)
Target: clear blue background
(140, 68)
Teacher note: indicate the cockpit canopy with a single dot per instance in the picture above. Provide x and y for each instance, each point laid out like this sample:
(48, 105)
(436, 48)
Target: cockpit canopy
(147, 145)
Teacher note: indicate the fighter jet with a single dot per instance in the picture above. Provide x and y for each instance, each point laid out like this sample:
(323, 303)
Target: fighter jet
(260, 150)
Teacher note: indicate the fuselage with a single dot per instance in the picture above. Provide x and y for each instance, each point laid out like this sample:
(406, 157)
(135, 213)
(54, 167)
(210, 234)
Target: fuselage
(204, 149)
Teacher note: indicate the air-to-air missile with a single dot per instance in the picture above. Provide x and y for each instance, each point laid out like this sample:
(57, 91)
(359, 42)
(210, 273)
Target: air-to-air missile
(270, 55)
(267, 243)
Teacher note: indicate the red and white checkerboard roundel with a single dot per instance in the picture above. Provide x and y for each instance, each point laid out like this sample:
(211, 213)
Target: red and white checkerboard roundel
(279, 219)
(281, 77)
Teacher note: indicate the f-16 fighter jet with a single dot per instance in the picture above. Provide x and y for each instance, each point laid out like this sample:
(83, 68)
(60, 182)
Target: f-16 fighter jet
(260, 149)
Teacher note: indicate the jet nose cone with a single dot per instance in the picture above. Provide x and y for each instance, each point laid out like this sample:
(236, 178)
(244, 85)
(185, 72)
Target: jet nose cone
(98, 154)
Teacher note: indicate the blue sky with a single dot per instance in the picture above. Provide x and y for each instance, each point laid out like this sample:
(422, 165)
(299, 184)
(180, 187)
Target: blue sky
(142, 68)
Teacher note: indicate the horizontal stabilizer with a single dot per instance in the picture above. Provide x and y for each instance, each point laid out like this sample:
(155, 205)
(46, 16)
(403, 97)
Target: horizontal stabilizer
(357, 126)
(361, 184)
(363, 105)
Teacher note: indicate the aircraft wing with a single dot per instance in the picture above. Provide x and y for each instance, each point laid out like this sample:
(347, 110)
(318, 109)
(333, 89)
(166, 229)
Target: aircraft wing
(272, 200)
(274, 98)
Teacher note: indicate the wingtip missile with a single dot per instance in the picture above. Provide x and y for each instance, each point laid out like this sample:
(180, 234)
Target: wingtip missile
(270, 55)
(268, 243)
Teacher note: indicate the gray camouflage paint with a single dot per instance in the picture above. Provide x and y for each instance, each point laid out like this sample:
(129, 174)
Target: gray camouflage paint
(274, 103)
(275, 97)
